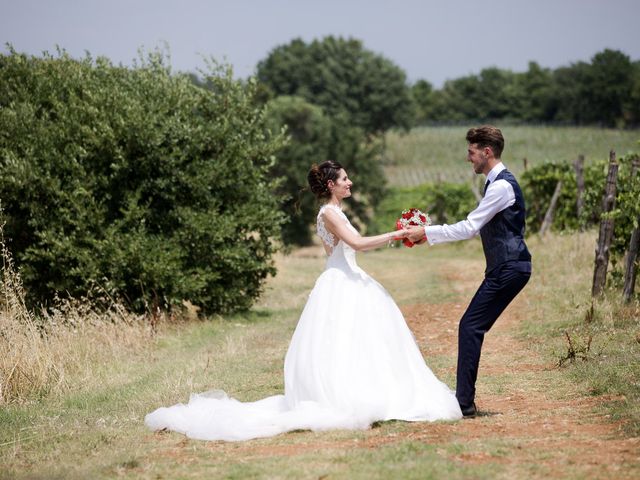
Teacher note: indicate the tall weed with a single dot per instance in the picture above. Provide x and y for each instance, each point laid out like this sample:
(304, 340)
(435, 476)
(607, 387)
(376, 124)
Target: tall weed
(59, 349)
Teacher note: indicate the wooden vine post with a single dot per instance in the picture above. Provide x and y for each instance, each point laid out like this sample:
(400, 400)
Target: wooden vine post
(631, 267)
(606, 228)
(578, 166)
(548, 217)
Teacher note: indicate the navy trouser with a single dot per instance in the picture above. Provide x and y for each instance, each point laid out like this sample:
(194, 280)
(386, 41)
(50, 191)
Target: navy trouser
(499, 287)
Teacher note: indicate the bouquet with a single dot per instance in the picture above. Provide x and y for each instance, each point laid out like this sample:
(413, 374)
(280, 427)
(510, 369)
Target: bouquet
(410, 218)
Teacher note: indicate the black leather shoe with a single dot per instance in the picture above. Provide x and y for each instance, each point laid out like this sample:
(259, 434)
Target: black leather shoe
(470, 411)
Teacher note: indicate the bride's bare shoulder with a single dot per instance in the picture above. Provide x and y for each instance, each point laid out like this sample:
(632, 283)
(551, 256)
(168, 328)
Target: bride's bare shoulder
(332, 214)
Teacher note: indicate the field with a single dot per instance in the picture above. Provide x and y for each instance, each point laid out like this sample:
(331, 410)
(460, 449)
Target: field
(538, 420)
(432, 154)
(559, 395)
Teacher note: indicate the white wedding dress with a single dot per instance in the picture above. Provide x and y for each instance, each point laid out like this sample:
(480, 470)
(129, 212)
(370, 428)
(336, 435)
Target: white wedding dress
(352, 361)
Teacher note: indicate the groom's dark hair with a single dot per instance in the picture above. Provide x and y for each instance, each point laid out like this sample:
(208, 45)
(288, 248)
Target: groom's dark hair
(487, 136)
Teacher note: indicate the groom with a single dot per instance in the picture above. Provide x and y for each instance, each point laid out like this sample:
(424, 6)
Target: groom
(500, 220)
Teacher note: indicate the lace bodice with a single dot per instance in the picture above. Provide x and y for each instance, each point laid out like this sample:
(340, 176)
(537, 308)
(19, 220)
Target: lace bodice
(325, 235)
(328, 238)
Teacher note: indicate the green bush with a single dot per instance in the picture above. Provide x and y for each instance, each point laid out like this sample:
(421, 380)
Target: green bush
(313, 138)
(309, 133)
(136, 180)
(626, 213)
(539, 183)
(444, 202)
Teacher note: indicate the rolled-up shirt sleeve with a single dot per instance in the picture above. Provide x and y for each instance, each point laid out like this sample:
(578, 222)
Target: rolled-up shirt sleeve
(499, 195)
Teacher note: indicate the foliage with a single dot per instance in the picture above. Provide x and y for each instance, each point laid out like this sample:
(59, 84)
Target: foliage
(342, 77)
(603, 92)
(313, 138)
(444, 202)
(609, 83)
(56, 351)
(361, 155)
(310, 135)
(492, 94)
(421, 93)
(136, 180)
(627, 212)
(609, 340)
(337, 97)
(539, 183)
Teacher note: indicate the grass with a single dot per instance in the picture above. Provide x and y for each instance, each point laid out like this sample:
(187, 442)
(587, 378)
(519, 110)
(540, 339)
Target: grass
(58, 350)
(606, 335)
(432, 154)
(93, 429)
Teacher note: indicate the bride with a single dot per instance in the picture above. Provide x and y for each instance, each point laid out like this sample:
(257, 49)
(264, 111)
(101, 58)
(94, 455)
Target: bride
(352, 359)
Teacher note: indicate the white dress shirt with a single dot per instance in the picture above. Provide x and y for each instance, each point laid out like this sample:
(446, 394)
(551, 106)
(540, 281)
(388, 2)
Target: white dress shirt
(499, 195)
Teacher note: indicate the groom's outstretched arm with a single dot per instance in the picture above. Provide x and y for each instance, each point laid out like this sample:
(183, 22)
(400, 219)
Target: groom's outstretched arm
(498, 196)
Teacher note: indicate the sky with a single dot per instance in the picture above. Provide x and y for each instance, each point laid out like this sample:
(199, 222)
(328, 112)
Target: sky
(430, 40)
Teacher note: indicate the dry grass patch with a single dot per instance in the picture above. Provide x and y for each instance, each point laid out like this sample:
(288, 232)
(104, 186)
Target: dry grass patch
(58, 349)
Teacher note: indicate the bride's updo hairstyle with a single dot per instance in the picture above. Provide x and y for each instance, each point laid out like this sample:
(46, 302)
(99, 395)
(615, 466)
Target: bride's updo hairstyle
(319, 176)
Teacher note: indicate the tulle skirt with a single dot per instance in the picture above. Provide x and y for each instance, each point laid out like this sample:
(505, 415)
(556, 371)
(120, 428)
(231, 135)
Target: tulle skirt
(352, 361)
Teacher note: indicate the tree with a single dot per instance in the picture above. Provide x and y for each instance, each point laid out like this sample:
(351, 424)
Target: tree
(136, 180)
(494, 97)
(342, 77)
(632, 104)
(313, 138)
(569, 91)
(594, 93)
(604, 92)
(610, 85)
(460, 97)
(309, 133)
(532, 95)
(421, 92)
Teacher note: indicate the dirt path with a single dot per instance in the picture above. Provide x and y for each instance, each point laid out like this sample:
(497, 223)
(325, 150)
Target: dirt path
(558, 430)
(530, 414)
(534, 408)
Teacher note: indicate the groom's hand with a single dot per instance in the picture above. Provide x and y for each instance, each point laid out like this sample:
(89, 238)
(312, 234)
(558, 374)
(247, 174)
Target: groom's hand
(416, 235)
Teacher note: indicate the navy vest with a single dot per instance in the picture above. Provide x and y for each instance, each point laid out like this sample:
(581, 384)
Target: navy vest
(503, 236)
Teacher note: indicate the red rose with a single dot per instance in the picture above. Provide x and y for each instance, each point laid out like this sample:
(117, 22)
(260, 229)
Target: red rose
(412, 217)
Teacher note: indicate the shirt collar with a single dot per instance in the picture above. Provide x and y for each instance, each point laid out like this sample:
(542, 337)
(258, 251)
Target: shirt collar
(491, 176)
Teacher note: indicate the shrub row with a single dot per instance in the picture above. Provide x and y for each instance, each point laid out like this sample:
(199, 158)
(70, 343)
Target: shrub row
(539, 183)
(137, 180)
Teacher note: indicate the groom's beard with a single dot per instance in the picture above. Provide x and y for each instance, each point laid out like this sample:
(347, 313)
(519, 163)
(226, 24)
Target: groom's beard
(480, 166)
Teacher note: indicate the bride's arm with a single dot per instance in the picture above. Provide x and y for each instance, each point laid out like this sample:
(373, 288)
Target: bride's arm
(336, 225)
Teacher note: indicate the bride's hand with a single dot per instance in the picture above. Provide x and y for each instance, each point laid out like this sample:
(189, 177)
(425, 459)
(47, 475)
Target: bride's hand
(400, 234)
